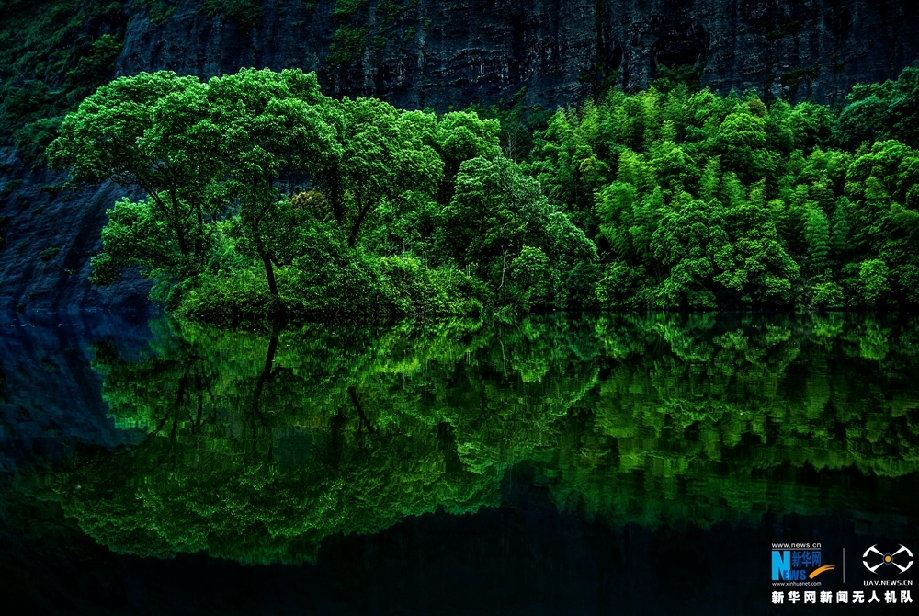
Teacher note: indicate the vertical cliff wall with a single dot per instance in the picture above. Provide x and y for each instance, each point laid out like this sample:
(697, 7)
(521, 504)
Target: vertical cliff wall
(418, 53)
(422, 53)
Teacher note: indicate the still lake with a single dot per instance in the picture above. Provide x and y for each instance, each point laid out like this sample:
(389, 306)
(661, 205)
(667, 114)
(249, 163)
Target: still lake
(567, 464)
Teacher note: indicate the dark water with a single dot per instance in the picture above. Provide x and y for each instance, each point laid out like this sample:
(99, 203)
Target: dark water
(615, 464)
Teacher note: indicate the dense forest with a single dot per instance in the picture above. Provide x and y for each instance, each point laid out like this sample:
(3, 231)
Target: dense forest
(255, 194)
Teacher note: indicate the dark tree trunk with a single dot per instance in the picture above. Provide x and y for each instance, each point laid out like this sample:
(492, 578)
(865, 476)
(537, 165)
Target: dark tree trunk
(269, 273)
(355, 230)
(264, 377)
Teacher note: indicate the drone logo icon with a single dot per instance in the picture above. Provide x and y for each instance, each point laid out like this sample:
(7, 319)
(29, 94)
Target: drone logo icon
(887, 559)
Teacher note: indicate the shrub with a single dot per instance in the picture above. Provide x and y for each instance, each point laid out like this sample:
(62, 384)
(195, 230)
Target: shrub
(412, 289)
(49, 253)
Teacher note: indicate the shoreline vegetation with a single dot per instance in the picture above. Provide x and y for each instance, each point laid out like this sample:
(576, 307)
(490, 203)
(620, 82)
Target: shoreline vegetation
(266, 199)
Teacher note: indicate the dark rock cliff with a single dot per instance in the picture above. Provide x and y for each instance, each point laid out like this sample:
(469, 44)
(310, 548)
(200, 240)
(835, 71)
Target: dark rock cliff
(50, 396)
(454, 52)
(420, 53)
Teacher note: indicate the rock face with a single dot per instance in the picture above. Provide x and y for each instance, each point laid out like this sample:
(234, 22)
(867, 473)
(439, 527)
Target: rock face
(49, 239)
(422, 53)
(418, 53)
(425, 54)
(50, 396)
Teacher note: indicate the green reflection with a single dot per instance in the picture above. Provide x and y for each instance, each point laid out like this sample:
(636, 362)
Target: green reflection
(258, 447)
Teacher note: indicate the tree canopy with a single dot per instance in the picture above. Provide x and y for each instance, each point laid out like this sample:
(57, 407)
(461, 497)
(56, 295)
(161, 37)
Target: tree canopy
(263, 196)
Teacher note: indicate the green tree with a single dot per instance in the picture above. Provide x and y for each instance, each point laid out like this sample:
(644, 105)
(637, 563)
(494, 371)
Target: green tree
(136, 235)
(878, 112)
(271, 124)
(615, 204)
(740, 141)
(462, 136)
(817, 232)
(566, 163)
(710, 183)
(154, 132)
(874, 283)
(673, 168)
(755, 265)
(532, 276)
(495, 212)
(688, 239)
(839, 230)
(811, 125)
(387, 154)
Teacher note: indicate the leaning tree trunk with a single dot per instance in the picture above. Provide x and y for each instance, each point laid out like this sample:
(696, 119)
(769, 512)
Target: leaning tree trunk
(269, 273)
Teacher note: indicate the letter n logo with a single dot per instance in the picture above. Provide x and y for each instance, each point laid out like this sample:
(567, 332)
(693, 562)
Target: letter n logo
(780, 565)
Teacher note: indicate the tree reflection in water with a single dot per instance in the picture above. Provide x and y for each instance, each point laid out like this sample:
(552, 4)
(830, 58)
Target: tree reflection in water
(258, 447)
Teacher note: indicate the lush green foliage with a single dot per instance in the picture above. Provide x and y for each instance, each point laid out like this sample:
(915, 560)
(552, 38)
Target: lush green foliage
(258, 447)
(52, 55)
(888, 110)
(664, 199)
(407, 213)
(702, 202)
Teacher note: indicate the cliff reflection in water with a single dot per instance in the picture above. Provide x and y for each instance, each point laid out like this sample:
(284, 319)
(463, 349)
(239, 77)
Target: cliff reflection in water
(258, 447)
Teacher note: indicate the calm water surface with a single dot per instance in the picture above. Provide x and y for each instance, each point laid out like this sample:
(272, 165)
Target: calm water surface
(616, 464)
